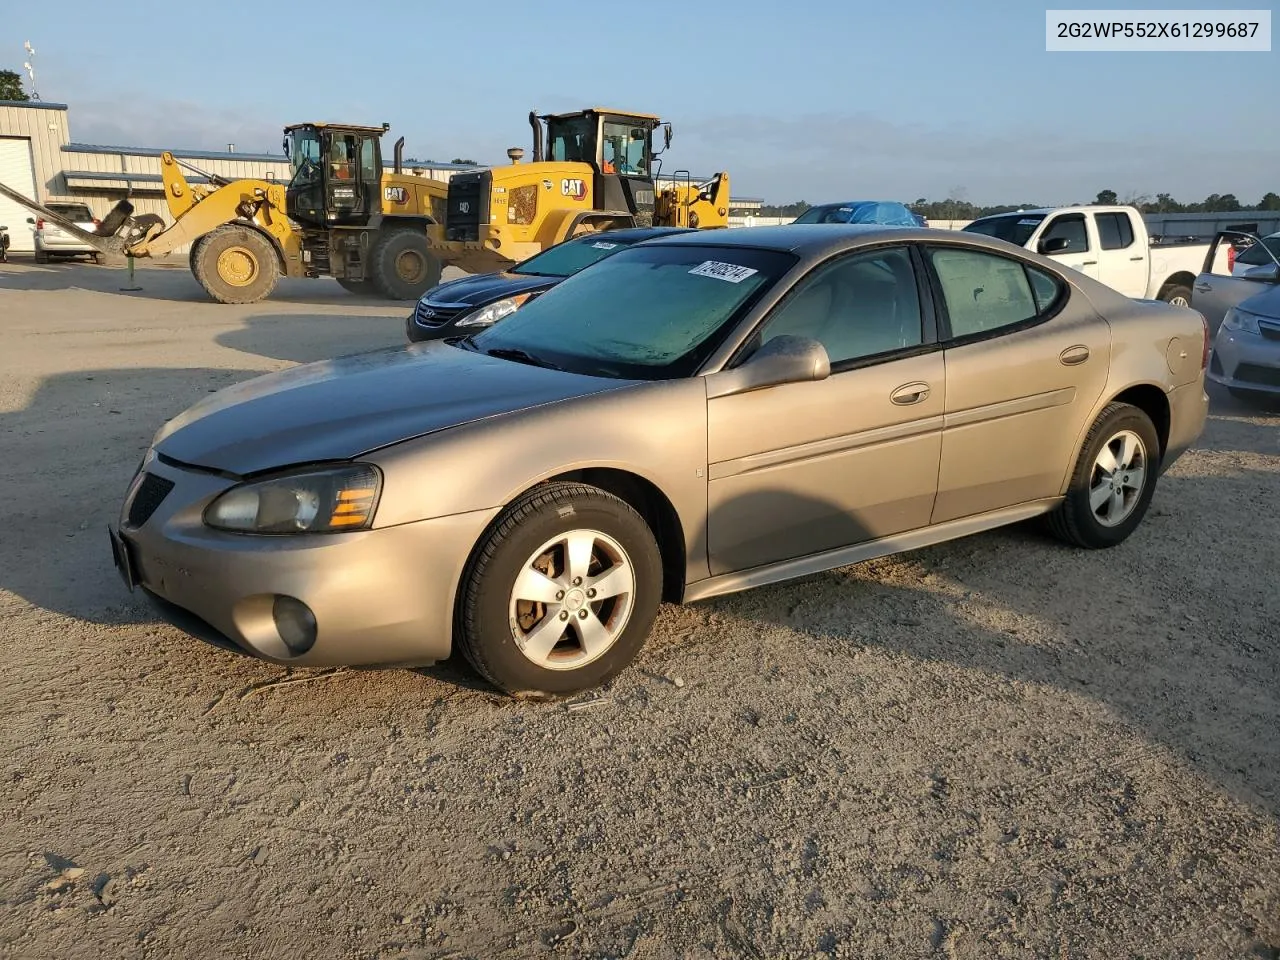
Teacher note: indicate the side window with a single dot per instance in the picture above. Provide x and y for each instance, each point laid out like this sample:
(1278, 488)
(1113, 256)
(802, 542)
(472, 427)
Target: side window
(1115, 232)
(625, 149)
(1046, 288)
(856, 307)
(1070, 226)
(369, 171)
(983, 291)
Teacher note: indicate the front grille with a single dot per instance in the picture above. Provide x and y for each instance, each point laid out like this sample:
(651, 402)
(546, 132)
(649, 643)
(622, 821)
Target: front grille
(1256, 373)
(1269, 330)
(149, 495)
(468, 206)
(436, 314)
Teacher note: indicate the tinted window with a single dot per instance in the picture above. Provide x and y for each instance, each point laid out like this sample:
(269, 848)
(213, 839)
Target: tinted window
(75, 212)
(572, 139)
(1015, 227)
(1259, 254)
(566, 259)
(983, 292)
(1114, 230)
(857, 307)
(645, 313)
(1071, 227)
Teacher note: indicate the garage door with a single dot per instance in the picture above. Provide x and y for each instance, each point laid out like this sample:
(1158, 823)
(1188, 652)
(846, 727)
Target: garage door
(16, 173)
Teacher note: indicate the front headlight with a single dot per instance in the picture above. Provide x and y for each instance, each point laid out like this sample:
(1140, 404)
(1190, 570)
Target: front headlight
(1237, 319)
(315, 500)
(486, 316)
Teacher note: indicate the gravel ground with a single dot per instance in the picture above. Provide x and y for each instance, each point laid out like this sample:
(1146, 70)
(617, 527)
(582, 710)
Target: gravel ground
(999, 747)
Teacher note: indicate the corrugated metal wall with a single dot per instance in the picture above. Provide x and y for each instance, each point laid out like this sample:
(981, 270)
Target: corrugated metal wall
(46, 127)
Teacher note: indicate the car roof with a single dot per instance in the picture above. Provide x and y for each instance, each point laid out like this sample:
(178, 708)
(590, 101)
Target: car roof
(813, 240)
(636, 234)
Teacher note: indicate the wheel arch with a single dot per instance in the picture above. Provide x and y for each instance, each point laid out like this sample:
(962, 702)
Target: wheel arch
(1182, 278)
(1148, 397)
(247, 225)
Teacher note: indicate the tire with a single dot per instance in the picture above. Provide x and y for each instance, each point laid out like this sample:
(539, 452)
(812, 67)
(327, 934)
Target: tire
(1177, 294)
(235, 264)
(361, 288)
(41, 257)
(97, 258)
(194, 253)
(1117, 516)
(401, 264)
(537, 527)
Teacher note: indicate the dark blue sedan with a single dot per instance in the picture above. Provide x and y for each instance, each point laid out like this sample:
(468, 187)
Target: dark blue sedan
(465, 306)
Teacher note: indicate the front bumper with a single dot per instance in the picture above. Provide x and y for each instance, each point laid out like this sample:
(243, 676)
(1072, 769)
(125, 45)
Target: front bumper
(380, 597)
(1245, 361)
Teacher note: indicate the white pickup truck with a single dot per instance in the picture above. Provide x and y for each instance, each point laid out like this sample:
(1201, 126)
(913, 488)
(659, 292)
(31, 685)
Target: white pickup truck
(1109, 244)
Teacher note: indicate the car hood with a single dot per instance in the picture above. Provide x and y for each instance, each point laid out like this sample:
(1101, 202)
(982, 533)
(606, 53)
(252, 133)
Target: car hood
(339, 409)
(487, 287)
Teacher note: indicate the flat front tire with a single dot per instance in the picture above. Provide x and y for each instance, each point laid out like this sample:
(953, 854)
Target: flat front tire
(1113, 481)
(561, 592)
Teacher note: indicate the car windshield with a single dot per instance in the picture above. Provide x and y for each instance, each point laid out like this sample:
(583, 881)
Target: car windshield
(75, 212)
(820, 215)
(1257, 254)
(566, 259)
(1017, 228)
(646, 313)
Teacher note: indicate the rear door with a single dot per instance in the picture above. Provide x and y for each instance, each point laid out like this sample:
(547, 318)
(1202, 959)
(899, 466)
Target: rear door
(1124, 261)
(1082, 250)
(1025, 363)
(1216, 290)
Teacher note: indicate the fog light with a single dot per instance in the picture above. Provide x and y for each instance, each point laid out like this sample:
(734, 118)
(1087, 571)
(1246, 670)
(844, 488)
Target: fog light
(295, 623)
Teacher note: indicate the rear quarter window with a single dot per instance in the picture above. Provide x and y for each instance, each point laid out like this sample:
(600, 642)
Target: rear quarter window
(1257, 254)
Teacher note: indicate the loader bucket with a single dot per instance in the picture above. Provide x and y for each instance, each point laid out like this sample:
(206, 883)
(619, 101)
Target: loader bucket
(106, 244)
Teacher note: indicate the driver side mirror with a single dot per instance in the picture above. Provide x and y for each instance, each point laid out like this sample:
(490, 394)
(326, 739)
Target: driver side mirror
(782, 359)
(1267, 273)
(1054, 245)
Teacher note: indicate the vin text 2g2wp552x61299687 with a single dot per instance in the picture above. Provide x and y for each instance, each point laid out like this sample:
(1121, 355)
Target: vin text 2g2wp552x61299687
(697, 414)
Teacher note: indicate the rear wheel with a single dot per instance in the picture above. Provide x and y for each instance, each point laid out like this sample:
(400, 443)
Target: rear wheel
(41, 256)
(401, 264)
(1176, 294)
(235, 264)
(561, 593)
(1113, 482)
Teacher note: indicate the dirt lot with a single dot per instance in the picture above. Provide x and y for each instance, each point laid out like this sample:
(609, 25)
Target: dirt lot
(996, 748)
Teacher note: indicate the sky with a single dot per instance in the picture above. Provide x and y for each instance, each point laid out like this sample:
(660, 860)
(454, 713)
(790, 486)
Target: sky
(808, 100)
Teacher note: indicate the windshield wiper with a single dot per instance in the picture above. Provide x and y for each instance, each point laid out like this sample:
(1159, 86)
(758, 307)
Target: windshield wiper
(520, 356)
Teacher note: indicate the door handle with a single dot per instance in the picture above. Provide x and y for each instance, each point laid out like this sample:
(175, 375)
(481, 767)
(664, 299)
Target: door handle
(1204, 287)
(1089, 263)
(1074, 355)
(910, 393)
(1135, 259)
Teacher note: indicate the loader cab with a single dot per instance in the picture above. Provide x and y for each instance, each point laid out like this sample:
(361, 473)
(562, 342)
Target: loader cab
(336, 173)
(619, 148)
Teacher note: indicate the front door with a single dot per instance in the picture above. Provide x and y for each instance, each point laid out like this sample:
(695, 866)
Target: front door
(1216, 289)
(1024, 368)
(803, 468)
(1082, 248)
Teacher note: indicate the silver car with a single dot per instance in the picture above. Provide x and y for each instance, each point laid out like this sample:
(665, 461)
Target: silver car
(698, 414)
(1243, 311)
(51, 240)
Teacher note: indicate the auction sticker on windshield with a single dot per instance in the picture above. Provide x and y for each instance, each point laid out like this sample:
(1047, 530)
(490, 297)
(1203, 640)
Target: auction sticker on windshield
(723, 271)
(601, 245)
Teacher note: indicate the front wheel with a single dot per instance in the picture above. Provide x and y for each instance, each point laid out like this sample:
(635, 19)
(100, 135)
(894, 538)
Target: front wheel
(235, 264)
(401, 264)
(1113, 482)
(561, 593)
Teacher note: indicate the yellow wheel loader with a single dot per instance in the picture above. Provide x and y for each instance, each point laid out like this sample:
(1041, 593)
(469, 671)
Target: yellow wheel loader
(341, 215)
(592, 170)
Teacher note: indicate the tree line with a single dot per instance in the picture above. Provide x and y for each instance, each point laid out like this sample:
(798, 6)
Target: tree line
(956, 208)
